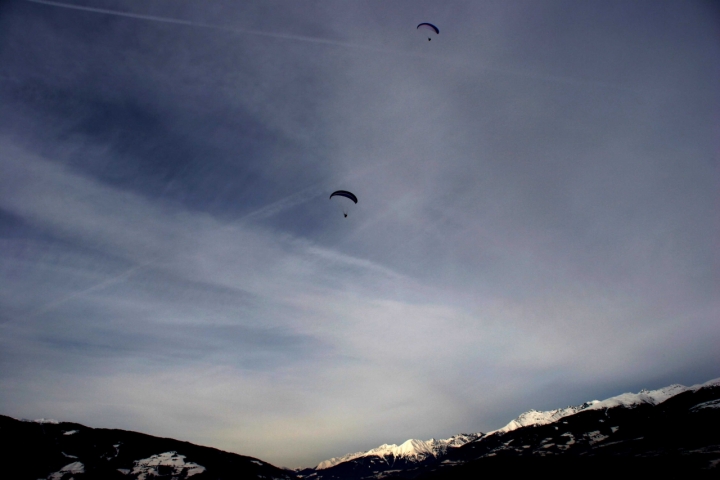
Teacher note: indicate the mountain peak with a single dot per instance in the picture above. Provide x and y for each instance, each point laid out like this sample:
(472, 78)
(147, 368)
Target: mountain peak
(535, 417)
(412, 449)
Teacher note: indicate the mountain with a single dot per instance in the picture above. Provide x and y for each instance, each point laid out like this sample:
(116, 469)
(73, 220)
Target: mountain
(627, 400)
(47, 449)
(669, 432)
(413, 450)
(672, 429)
(388, 458)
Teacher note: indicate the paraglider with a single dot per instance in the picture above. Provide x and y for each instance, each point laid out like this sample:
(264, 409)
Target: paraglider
(430, 28)
(344, 194)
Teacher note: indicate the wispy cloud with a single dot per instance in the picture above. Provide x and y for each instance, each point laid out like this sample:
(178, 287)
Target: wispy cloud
(190, 23)
(290, 201)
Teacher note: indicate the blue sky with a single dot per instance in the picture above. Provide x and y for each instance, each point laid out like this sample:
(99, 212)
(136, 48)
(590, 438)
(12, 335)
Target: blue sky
(537, 221)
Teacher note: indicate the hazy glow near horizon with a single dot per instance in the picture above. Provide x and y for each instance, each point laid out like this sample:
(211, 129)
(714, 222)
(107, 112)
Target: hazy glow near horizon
(537, 220)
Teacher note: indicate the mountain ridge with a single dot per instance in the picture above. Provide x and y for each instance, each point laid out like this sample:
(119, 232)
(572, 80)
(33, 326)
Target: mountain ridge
(382, 461)
(535, 417)
(63, 451)
(672, 429)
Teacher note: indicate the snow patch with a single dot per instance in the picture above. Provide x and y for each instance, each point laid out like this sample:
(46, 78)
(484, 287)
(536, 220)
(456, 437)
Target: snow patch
(68, 456)
(71, 468)
(109, 457)
(165, 464)
(70, 432)
(595, 437)
(710, 404)
(41, 420)
(571, 441)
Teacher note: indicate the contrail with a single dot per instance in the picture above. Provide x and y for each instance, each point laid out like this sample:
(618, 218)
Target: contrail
(334, 43)
(98, 286)
(188, 23)
(285, 203)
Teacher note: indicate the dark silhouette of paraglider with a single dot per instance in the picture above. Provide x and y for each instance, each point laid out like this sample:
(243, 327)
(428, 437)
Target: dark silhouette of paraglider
(346, 194)
(429, 27)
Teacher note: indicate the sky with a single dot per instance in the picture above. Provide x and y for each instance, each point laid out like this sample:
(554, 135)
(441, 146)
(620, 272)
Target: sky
(538, 219)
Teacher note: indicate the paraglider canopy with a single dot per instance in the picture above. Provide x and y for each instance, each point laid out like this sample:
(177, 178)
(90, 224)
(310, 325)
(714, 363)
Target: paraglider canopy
(430, 28)
(344, 194)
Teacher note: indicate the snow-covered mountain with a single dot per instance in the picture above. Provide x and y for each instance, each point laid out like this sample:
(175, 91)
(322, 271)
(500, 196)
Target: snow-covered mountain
(631, 425)
(669, 432)
(628, 400)
(388, 459)
(413, 450)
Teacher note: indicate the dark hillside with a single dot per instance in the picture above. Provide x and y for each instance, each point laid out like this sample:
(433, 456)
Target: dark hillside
(36, 450)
